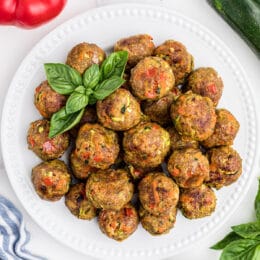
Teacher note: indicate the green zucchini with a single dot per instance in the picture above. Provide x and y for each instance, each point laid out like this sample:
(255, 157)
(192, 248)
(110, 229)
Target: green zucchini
(244, 17)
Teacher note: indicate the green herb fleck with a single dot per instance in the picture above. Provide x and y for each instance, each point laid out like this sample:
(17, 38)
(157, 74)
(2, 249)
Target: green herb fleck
(147, 128)
(123, 109)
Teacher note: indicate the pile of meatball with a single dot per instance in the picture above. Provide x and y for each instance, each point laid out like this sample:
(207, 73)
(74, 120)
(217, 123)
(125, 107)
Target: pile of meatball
(155, 145)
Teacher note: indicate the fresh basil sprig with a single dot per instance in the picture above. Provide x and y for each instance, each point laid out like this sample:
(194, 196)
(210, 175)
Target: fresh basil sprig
(95, 84)
(244, 241)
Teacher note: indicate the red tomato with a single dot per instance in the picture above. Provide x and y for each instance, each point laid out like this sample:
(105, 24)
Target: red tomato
(29, 13)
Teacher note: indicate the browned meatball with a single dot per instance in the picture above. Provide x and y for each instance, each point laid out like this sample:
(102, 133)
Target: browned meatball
(83, 55)
(80, 169)
(225, 131)
(151, 79)
(51, 180)
(146, 145)
(176, 54)
(159, 110)
(189, 167)
(158, 193)
(197, 202)
(206, 82)
(181, 141)
(43, 146)
(157, 225)
(120, 111)
(78, 204)
(194, 116)
(110, 189)
(225, 166)
(97, 146)
(47, 101)
(118, 224)
(137, 46)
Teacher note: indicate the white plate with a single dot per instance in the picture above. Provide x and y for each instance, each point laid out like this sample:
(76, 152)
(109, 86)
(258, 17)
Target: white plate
(104, 26)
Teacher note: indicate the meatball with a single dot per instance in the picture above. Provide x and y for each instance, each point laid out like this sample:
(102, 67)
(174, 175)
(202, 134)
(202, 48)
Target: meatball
(157, 225)
(176, 54)
(225, 131)
(43, 146)
(225, 166)
(189, 167)
(97, 146)
(47, 101)
(89, 116)
(159, 110)
(110, 189)
(120, 111)
(206, 82)
(80, 169)
(181, 141)
(151, 79)
(83, 55)
(118, 224)
(158, 193)
(51, 180)
(194, 116)
(137, 46)
(78, 204)
(146, 145)
(197, 202)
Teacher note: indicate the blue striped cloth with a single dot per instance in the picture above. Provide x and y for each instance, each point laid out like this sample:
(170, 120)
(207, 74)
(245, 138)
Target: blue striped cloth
(13, 234)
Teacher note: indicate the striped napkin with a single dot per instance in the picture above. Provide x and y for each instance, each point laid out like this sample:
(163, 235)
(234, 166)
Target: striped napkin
(13, 234)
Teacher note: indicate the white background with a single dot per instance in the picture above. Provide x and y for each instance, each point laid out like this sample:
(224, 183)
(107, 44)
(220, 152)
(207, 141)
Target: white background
(15, 43)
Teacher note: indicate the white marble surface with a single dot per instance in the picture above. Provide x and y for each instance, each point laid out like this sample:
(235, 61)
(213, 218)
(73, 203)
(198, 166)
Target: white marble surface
(15, 43)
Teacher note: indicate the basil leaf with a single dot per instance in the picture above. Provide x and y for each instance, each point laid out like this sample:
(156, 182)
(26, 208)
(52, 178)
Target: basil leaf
(62, 78)
(248, 230)
(257, 202)
(76, 102)
(108, 67)
(89, 92)
(91, 76)
(256, 253)
(80, 90)
(232, 236)
(243, 249)
(107, 87)
(92, 100)
(62, 122)
(114, 65)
